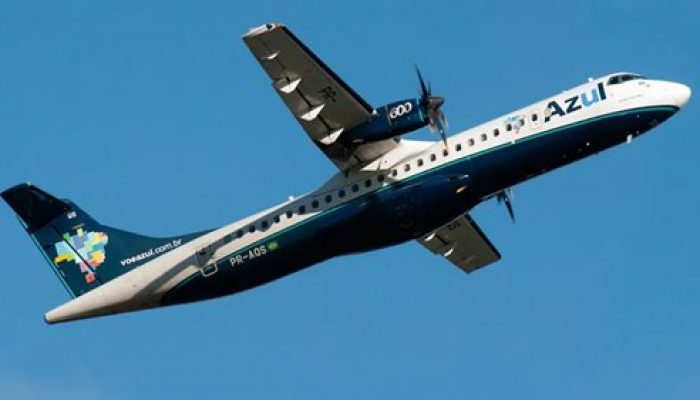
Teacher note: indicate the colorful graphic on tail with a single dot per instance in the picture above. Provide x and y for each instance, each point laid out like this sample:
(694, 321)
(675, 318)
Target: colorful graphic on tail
(90, 247)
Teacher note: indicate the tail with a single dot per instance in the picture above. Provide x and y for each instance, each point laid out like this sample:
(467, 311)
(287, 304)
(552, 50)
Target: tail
(83, 253)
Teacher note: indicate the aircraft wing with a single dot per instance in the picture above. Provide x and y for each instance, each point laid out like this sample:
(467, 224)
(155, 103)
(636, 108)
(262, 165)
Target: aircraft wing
(324, 105)
(463, 243)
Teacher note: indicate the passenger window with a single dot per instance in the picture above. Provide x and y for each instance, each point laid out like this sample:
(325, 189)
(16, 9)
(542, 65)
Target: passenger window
(534, 117)
(341, 193)
(521, 122)
(509, 127)
(276, 219)
(394, 172)
(380, 178)
(496, 132)
(314, 204)
(445, 152)
(433, 157)
(470, 142)
(355, 188)
(302, 210)
(420, 162)
(407, 167)
(239, 234)
(368, 183)
(329, 198)
(483, 137)
(289, 214)
(458, 147)
(264, 224)
(251, 228)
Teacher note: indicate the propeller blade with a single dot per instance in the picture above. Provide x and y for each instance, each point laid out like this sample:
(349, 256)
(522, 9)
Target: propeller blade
(424, 92)
(506, 197)
(509, 206)
(443, 119)
(437, 121)
(444, 137)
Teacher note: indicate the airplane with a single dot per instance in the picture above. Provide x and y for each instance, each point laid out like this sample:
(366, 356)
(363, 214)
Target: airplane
(387, 189)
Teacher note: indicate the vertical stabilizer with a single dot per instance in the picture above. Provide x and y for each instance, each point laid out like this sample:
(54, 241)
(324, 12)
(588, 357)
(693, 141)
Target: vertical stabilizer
(83, 253)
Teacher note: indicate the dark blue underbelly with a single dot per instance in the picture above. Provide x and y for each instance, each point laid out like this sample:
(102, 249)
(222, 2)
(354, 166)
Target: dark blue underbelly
(408, 209)
(378, 220)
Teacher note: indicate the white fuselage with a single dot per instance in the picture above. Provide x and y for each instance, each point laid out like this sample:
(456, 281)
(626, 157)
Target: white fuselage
(145, 286)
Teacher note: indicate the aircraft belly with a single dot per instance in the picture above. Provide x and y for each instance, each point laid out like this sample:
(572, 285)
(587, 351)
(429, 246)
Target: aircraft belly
(375, 221)
(252, 266)
(300, 246)
(409, 209)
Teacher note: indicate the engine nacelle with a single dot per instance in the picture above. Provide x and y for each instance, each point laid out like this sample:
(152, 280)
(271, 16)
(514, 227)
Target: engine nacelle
(390, 120)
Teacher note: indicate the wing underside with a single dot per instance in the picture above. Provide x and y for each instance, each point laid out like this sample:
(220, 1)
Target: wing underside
(462, 243)
(321, 102)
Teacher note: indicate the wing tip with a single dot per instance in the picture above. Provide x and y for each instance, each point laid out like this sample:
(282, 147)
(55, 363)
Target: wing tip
(258, 30)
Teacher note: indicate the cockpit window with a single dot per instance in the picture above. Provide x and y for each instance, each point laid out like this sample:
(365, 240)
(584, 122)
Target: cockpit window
(615, 79)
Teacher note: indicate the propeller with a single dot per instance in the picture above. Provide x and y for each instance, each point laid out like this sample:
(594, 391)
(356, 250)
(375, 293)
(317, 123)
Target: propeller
(437, 121)
(506, 197)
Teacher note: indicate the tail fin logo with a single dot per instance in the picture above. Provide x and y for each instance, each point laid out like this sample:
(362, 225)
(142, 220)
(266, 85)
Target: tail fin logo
(90, 248)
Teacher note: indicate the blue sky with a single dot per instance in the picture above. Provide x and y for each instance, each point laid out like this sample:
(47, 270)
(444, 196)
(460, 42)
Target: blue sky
(154, 118)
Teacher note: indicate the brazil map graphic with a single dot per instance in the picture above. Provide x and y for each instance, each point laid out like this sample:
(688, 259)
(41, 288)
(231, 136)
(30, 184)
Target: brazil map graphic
(90, 247)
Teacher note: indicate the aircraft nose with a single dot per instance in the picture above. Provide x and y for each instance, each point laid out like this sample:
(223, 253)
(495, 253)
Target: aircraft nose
(681, 93)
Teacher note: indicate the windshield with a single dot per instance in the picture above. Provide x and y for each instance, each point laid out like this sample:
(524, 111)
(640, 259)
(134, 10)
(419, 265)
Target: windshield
(615, 79)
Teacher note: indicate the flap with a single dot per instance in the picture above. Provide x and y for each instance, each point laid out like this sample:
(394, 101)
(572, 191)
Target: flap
(463, 243)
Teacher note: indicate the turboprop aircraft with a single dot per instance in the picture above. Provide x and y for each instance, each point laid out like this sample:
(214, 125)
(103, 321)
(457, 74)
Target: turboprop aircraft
(387, 189)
